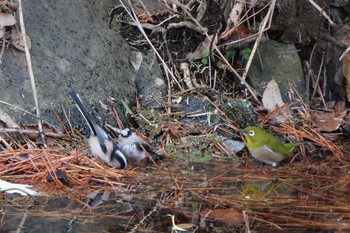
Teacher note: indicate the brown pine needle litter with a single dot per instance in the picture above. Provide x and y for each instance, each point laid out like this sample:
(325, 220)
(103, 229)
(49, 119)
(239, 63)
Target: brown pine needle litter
(301, 193)
(56, 171)
(308, 191)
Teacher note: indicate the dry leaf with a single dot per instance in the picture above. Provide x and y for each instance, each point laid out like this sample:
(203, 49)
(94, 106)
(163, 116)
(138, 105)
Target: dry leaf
(272, 98)
(272, 101)
(280, 115)
(346, 72)
(2, 32)
(9, 122)
(327, 122)
(7, 19)
(143, 14)
(339, 106)
(185, 225)
(236, 33)
(233, 18)
(198, 54)
(342, 34)
(11, 6)
(185, 68)
(17, 40)
(230, 216)
(136, 60)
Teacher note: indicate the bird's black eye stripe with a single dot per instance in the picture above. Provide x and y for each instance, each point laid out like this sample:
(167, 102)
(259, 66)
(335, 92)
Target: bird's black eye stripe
(126, 132)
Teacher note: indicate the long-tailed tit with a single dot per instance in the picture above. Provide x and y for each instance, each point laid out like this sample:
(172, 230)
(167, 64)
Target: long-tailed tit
(132, 145)
(101, 144)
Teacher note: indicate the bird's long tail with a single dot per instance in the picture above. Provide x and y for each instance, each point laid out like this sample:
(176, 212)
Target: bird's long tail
(83, 111)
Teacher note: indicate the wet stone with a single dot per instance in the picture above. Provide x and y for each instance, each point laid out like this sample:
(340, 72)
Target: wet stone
(240, 112)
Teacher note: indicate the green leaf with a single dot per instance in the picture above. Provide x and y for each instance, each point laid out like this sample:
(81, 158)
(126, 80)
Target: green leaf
(230, 53)
(246, 53)
(205, 61)
(205, 53)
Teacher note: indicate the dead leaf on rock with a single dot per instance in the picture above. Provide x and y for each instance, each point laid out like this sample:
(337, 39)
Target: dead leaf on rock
(229, 216)
(327, 122)
(7, 19)
(18, 41)
(8, 120)
(136, 60)
(272, 101)
(346, 72)
(272, 98)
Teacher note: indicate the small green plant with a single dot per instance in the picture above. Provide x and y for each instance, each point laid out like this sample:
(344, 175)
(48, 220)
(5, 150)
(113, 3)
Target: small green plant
(246, 53)
(230, 53)
(205, 58)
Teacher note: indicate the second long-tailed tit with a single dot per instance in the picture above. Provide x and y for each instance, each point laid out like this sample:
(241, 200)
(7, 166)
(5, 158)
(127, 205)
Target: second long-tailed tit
(133, 146)
(101, 144)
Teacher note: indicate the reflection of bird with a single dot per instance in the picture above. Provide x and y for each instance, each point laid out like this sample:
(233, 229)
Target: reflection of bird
(266, 148)
(101, 144)
(132, 145)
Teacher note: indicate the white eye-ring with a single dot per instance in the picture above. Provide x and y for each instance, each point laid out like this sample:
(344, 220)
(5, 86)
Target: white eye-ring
(251, 133)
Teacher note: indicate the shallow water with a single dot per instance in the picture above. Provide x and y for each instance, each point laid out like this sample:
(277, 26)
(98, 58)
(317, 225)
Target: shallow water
(214, 197)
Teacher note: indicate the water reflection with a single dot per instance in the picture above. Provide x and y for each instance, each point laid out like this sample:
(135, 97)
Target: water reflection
(213, 197)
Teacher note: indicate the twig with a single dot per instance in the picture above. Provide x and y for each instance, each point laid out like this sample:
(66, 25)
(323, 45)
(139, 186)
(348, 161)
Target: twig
(250, 89)
(2, 49)
(31, 74)
(264, 27)
(25, 131)
(117, 118)
(322, 12)
(68, 121)
(246, 221)
(21, 224)
(133, 16)
(317, 84)
(19, 108)
(344, 53)
(153, 210)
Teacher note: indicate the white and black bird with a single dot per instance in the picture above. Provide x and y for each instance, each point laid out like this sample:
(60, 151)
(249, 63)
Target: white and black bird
(133, 146)
(101, 144)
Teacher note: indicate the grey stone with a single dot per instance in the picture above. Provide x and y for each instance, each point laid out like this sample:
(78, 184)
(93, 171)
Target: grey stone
(73, 48)
(201, 110)
(240, 112)
(280, 62)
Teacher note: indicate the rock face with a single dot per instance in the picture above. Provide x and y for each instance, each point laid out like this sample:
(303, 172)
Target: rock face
(72, 48)
(241, 112)
(280, 62)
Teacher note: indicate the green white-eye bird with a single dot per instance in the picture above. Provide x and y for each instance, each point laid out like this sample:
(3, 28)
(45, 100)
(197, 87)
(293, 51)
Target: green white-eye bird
(265, 147)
